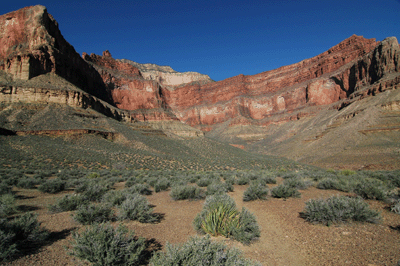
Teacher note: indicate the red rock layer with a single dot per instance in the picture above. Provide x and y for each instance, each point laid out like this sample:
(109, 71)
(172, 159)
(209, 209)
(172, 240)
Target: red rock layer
(281, 90)
(31, 44)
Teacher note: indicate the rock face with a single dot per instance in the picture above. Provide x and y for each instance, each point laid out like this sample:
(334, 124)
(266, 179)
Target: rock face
(166, 76)
(31, 44)
(282, 90)
(242, 110)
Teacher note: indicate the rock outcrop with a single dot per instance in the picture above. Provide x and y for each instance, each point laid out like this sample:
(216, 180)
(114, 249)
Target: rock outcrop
(281, 90)
(242, 110)
(31, 44)
(166, 76)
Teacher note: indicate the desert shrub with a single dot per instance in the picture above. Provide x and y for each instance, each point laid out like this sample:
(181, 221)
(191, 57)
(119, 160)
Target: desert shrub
(199, 251)
(136, 207)
(395, 207)
(298, 183)
(101, 244)
(52, 186)
(242, 180)
(347, 172)
(69, 202)
(142, 189)
(27, 183)
(284, 191)
(204, 181)
(220, 216)
(19, 233)
(115, 197)
(95, 191)
(162, 184)
(93, 213)
(7, 205)
(328, 183)
(93, 175)
(217, 188)
(5, 188)
(339, 209)
(371, 188)
(255, 191)
(267, 179)
(183, 192)
(230, 181)
(248, 229)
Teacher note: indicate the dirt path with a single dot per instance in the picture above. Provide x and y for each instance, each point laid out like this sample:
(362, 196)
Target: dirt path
(274, 247)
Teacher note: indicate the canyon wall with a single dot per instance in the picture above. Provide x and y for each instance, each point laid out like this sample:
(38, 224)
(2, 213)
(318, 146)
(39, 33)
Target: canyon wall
(31, 45)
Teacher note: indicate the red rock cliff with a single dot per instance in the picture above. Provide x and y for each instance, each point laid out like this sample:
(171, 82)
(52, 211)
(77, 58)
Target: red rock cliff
(31, 44)
(281, 90)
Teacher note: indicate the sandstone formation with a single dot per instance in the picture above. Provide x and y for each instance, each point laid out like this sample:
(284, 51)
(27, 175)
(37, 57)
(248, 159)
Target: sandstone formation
(166, 76)
(287, 111)
(31, 44)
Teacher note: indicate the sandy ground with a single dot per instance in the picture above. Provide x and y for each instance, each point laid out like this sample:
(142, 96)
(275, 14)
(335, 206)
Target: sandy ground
(286, 238)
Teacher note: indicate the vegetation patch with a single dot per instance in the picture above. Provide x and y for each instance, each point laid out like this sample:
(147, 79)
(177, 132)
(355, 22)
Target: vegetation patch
(101, 244)
(93, 213)
(338, 209)
(221, 217)
(182, 192)
(20, 233)
(200, 251)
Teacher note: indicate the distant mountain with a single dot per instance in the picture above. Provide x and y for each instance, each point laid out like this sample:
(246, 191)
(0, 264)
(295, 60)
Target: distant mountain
(338, 108)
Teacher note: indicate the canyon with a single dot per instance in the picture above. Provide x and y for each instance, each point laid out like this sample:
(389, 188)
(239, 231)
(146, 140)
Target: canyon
(340, 103)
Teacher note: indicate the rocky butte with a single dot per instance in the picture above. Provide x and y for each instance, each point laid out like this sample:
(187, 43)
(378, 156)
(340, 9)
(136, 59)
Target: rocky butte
(292, 111)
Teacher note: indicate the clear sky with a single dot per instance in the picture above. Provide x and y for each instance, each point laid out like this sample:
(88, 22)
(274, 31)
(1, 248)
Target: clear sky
(219, 38)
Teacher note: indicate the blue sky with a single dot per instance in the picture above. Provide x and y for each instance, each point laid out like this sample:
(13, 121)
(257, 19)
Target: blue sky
(218, 38)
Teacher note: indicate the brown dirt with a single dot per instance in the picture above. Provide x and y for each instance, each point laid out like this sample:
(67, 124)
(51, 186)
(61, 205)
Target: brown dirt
(286, 239)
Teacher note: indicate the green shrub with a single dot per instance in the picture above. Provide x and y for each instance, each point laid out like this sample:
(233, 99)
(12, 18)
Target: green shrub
(248, 229)
(27, 183)
(216, 188)
(95, 191)
(347, 172)
(5, 188)
(199, 251)
(136, 207)
(115, 197)
(132, 181)
(52, 186)
(242, 180)
(297, 183)
(183, 192)
(162, 184)
(101, 244)
(255, 191)
(93, 213)
(267, 179)
(371, 188)
(395, 207)
(328, 183)
(220, 217)
(204, 181)
(7, 205)
(284, 191)
(93, 175)
(142, 189)
(69, 202)
(339, 209)
(19, 233)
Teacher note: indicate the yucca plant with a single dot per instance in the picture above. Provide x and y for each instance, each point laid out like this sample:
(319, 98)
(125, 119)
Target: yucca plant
(221, 217)
(221, 220)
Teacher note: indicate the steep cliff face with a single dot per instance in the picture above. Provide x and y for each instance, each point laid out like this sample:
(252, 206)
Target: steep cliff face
(166, 76)
(281, 90)
(31, 44)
